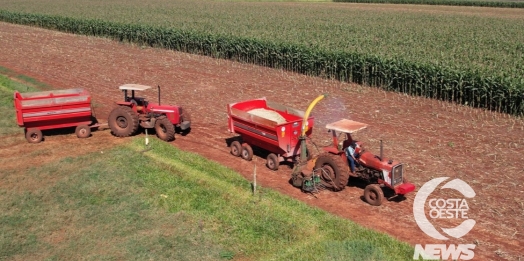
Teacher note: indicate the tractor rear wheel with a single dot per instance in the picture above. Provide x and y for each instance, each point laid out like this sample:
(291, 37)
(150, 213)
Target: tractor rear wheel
(83, 131)
(247, 152)
(34, 135)
(165, 130)
(236, 148)
(333, 171)
(123, 121)
(373, 194)
(272, 161)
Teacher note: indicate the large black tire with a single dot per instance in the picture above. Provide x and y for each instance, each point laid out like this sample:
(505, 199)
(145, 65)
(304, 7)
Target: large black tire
(83, 131)
(123, 121)
(165, 130)
(333, 171)
(247, 152)
(236, 148)
(373, 194)
(272, 161)
(34, 135)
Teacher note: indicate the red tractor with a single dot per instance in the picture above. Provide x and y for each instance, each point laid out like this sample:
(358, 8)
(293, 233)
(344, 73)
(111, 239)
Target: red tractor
(133, 112)
(331, 168)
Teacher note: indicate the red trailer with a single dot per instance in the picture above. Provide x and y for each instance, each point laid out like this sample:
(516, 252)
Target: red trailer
(273, 127)
(38, 111)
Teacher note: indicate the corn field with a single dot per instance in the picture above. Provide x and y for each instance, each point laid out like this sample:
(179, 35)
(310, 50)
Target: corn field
(476, 61)
(503, 4)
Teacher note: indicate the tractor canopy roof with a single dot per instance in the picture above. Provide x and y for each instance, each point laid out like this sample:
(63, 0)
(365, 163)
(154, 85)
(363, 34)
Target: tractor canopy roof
(134, 87)
(346, 126)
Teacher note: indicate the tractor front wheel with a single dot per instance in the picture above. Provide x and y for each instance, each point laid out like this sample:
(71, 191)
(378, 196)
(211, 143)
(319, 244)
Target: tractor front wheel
(165, 130)
(373, 195)
(332, 171)
(236, 148)
(83, 131)
(34, 135)
(247, 152)
(123, 121)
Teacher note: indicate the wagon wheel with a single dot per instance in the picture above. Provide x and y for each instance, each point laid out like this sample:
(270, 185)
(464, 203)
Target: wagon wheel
(272, 161)
(34, 135)
(165, 130)
(236, 148)
(373, 194)
(247, 152)
(336, 175)
(123, 121)
(83, 131)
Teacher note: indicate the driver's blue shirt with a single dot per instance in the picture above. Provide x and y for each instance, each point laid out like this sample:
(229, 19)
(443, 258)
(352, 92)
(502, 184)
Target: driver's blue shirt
(350, 151)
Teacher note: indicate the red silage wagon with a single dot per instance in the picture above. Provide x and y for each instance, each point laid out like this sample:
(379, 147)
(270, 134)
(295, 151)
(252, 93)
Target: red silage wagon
(273, 127)
(38, 111)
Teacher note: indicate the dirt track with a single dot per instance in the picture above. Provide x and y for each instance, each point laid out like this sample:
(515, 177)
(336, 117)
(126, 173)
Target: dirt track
(432, 138)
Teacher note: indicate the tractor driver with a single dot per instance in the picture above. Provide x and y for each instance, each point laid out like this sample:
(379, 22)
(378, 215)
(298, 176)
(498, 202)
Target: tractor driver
(137, 101)
(351, 155)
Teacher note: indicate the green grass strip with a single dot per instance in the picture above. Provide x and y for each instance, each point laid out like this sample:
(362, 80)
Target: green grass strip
(269, 220)
(166, 204)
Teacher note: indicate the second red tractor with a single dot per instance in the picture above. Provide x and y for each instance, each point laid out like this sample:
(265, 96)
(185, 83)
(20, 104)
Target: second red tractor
(135, 112)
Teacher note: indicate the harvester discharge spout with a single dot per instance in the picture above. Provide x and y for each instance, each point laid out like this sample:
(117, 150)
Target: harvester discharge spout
(303, 156)
(302, 175)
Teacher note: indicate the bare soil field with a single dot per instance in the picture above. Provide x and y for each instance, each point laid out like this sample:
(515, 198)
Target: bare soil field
(433, 139)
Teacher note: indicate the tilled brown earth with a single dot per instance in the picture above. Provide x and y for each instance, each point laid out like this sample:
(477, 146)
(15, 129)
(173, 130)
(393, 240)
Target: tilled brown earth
(433, 139)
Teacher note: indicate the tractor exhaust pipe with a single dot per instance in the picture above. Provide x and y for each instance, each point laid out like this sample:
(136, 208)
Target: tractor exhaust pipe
(158, 94)
(381, 151)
